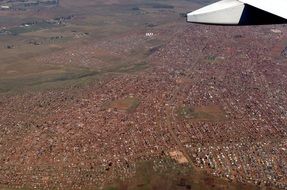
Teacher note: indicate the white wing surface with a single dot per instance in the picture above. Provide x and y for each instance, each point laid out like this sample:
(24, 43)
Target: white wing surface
(222, 12)
(276, 7)
(241, 12)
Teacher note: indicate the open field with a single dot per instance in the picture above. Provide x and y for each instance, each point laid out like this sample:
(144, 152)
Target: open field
(174, 179)
(204, 113)
(89, 35)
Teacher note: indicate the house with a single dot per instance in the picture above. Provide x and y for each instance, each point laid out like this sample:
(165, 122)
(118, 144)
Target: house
(5, 7)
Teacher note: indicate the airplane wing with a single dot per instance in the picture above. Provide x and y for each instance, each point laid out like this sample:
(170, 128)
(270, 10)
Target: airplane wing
(276, 7)
(241, 12)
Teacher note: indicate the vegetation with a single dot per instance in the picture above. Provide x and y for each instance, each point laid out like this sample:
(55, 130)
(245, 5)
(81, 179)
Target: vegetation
(128, 104)
(210, 113)
(171, 176)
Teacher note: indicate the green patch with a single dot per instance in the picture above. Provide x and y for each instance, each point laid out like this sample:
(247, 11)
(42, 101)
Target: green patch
(185, 112)
(50, 77)
(111, 188)
(167, 175)
(203, 113)
(131, 68)
(42, 78)
(30, 28)
(128, 104)
(211, 58)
